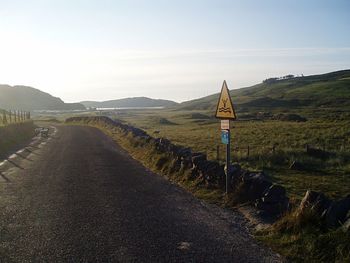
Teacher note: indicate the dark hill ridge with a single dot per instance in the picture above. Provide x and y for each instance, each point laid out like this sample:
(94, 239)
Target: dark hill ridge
(331, 90)
(130, 102)
(28, 98)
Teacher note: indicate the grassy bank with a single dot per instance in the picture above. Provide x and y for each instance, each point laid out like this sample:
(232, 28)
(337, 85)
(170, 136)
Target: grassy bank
(306, 240)
(273, 146)
(14, 136)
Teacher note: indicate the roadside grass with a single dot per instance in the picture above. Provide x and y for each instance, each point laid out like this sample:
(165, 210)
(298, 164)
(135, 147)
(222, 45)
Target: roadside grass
(289, 140)
(13, 135)
(304, 239)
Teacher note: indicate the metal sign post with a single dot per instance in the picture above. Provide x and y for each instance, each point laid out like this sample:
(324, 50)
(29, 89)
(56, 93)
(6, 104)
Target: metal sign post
(226, 139)
(228, 161)
(226, 112)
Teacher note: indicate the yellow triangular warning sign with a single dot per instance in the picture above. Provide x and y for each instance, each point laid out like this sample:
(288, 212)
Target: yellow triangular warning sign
(224, 109)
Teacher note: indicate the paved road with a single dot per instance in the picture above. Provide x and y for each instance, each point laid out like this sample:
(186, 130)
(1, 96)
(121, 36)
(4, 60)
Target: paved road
(81, 198)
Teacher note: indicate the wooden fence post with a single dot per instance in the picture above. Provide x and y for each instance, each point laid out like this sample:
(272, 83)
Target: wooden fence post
(218, 152)
(4, 119)
(248, 150)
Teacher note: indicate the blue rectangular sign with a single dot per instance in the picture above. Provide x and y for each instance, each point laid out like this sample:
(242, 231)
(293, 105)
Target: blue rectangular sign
(224, 136)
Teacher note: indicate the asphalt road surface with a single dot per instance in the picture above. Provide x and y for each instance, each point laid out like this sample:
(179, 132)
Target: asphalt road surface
(81, 198)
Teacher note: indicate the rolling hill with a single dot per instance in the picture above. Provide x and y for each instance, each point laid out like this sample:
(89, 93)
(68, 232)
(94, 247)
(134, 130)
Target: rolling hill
(129, 102)
(28, 98)
(331, 90)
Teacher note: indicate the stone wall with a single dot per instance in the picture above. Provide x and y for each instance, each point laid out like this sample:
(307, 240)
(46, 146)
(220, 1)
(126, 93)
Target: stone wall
(246, 186)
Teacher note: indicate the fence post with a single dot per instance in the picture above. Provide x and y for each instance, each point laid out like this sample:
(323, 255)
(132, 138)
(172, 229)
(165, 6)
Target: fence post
(4, 119)
(218, 152)
(248, 150)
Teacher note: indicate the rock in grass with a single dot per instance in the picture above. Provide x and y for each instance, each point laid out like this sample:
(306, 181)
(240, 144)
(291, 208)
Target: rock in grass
(297, 166)
(317, 153)
(198, 158)
(253, 186)
(314, 201)
(346, 225)
(274, 200)
(331, 213)
(337, 212)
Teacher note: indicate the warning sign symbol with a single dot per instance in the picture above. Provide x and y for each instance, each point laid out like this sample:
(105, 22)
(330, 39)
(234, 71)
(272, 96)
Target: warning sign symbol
(224, 109)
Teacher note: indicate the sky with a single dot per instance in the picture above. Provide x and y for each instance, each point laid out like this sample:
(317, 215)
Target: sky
(177, 50)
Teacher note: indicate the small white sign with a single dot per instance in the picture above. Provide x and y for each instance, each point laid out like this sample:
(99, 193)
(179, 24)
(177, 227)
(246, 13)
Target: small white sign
(225, 124)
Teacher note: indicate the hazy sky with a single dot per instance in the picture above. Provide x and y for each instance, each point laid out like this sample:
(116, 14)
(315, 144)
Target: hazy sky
(179, 50)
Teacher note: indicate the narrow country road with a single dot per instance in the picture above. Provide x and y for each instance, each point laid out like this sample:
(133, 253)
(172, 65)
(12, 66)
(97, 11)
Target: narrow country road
(81, 198)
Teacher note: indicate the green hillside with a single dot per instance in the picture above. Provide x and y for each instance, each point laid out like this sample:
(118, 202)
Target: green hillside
(129, 102)
(331, 90)
(28, 98)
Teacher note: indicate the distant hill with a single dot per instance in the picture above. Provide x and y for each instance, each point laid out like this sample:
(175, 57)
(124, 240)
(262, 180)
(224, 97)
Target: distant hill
(27, 98)
(331, 90)
(129, 102)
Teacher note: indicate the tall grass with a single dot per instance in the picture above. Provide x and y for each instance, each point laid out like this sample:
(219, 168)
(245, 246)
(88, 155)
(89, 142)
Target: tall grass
(289, 140)
(13, 135)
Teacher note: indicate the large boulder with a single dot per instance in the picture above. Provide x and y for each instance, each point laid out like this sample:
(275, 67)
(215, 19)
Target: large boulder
(346, 225)
(163, 144)
(274, 200)
(317, 202)
(331, 213)
(253, 186)
(211, 172)
(236, 175)
(184, 152)
(198, 158)
(337, 212)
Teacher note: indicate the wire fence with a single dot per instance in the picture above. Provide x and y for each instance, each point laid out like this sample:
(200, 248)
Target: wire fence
(248, 151)
(13, 116)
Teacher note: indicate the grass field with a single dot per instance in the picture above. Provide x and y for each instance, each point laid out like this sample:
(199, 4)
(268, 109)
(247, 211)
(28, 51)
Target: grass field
(273, 146)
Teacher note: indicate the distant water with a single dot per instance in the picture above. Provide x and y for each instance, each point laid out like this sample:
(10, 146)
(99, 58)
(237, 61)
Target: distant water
(98, 109)
(131, 108)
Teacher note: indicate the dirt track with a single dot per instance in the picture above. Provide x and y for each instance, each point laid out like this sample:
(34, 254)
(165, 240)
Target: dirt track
(81, 198)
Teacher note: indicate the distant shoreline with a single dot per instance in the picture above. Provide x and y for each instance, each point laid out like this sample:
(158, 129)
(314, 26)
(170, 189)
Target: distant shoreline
(130, 108)
(100, 109)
